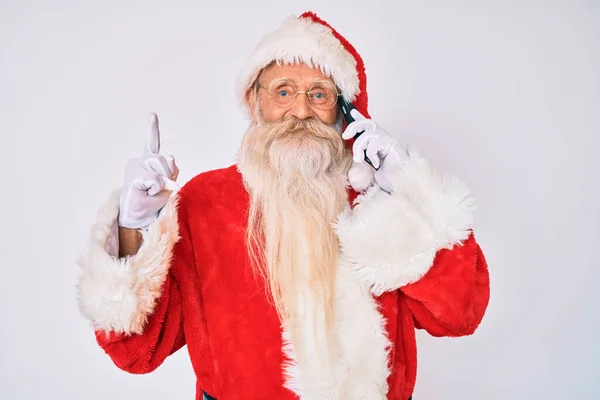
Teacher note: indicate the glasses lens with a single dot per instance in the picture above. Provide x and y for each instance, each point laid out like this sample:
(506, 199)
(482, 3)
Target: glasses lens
(283, 92)
(323, 95)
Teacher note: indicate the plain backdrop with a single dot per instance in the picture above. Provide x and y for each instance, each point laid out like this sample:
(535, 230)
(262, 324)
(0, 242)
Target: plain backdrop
(505, 94)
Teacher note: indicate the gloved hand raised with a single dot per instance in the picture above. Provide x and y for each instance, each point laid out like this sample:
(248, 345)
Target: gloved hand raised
(384, 151)
(148, 183)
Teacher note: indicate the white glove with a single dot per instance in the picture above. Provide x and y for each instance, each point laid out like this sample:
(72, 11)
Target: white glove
(384, 151)
(149, 180)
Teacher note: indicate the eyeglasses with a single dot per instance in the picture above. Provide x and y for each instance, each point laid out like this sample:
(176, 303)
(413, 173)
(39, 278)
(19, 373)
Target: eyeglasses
(284, 92)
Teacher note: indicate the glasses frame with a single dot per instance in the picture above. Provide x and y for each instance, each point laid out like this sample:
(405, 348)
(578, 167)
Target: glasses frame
(307, 93)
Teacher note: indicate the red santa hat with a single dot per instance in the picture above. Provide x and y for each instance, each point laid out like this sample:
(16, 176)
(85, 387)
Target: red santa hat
(310, 40)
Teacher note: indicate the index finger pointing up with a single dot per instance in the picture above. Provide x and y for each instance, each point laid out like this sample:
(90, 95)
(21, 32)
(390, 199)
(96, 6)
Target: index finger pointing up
(153, 141)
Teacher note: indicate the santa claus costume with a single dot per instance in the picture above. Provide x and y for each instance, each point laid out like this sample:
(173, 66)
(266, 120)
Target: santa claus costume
(408, 260)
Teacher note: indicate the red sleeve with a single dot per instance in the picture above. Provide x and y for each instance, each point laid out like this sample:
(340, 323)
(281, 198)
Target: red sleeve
(162, 336)
(451, 299)
(135, 304)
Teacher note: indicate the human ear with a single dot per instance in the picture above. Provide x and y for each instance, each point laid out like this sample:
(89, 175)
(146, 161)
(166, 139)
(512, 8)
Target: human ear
(251, 101)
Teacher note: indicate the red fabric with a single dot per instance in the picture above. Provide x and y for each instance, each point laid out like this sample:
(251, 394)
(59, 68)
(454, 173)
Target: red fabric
(212, 302)
(451, 298)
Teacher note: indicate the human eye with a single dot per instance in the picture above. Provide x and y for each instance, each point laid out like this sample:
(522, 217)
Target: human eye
(322, 94)
(283, 92)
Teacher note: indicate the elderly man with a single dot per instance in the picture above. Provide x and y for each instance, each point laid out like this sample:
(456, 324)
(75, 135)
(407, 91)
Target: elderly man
(301, 271)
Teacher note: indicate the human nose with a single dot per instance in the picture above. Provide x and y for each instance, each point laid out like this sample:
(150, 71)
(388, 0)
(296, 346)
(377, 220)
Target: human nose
(301, 108)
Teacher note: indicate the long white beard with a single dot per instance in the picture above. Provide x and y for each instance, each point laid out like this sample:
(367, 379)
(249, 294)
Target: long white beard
(296, 174)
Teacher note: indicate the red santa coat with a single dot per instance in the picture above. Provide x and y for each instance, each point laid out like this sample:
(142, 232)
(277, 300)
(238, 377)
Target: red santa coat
(408, 260)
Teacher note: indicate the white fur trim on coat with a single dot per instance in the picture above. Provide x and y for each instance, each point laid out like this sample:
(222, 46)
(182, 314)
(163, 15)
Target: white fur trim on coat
(357, 366)
(392, 239)
(303, 40)
(117, 295)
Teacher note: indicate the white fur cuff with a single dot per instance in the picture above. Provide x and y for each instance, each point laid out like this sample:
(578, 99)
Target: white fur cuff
(391, 239)
(119, 294)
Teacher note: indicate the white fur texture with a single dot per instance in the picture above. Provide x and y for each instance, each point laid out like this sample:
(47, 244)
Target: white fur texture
(117, 295)
(357, 367)
(302, 40)
(391, 239)
(361, 176)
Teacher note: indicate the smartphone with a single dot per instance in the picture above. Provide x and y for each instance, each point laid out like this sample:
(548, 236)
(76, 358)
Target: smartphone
(346, 107)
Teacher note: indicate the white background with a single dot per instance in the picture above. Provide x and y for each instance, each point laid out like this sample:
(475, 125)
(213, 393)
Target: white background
(505, 94)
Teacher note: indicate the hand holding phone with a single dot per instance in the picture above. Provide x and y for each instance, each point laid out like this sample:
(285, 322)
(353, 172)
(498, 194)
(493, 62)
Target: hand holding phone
(381, 150)
(347, 108)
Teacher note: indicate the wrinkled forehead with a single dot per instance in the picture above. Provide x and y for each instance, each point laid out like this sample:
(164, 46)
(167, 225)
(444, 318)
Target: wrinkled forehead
(303, 75)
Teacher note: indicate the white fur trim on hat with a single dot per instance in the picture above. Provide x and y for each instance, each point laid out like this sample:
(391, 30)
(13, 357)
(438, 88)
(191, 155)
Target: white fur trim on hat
(303, 40)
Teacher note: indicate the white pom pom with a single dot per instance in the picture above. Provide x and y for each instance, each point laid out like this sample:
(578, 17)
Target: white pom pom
(361, 176)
